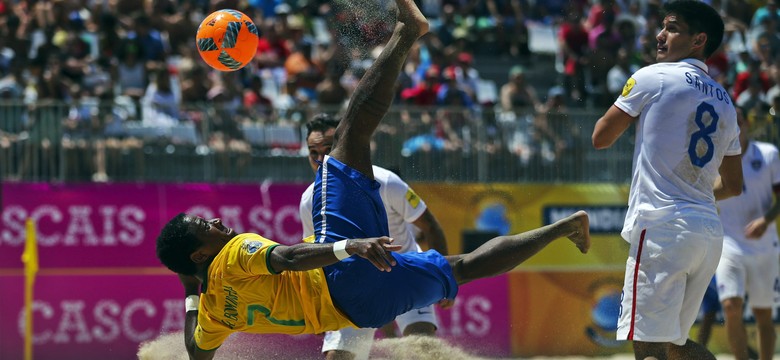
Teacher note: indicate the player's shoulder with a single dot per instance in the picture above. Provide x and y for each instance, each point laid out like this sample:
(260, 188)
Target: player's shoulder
(307, 194)
(765, 147)
(385, 176)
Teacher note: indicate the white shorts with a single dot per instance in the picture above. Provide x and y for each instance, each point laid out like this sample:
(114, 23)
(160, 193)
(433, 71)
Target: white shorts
(358, 341)
(754, 275)
(667, 272)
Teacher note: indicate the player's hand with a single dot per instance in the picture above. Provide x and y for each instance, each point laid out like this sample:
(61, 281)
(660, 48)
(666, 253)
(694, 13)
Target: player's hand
(446, 303)
(377, 250)
(191, 284)
(756, 228)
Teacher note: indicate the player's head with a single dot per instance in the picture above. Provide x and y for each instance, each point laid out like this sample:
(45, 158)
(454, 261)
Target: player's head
(320, 137)
(691, 29)
(186, 241)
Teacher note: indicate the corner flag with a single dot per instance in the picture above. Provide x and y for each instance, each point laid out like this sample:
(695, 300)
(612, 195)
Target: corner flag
(30, 260)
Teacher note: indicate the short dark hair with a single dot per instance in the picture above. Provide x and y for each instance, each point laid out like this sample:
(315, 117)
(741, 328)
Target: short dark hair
(700, 17)
(321, 122)
(175, 244)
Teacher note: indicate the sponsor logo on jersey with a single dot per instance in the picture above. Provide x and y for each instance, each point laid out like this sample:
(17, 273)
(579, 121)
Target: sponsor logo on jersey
(412, 198)
(628, 86)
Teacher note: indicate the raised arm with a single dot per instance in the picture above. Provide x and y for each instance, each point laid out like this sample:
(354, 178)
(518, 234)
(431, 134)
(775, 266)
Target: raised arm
(609, 128)
(375, 91)
(306, 256)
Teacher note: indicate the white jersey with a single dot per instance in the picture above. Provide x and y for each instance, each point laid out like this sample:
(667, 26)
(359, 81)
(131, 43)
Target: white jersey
(403, 207)
(687, 123)
(761, 171)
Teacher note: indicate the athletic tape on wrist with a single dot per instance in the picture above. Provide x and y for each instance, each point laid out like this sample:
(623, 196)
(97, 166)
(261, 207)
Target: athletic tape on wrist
(191, 303)
(340, 249)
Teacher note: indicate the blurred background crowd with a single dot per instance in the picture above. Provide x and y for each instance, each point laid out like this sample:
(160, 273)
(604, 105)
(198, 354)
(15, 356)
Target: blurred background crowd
(499, 90)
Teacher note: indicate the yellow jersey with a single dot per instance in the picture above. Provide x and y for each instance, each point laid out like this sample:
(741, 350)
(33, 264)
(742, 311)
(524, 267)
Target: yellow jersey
(244, 294)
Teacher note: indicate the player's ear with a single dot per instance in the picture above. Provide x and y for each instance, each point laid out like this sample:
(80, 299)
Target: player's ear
(700, 39)
(198, 256)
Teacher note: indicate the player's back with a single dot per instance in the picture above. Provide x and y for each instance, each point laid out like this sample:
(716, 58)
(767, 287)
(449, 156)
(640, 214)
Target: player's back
(687, 123)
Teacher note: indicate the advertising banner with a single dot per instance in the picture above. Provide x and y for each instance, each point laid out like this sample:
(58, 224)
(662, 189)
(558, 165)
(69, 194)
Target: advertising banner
(115, 225)
(100, 290)
(558, 313)
(101, 316)
(513, 208)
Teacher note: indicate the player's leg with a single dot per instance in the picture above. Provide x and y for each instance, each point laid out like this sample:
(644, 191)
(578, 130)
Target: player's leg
(762, 272)
(710, 235)
(375, 91)
(504, 253)
(418, 322)
(732, 278)
(348, 344)
(735, 328)
(766, 332)
(650, 350)
(668, 270)
(690, 350)
(709, 307)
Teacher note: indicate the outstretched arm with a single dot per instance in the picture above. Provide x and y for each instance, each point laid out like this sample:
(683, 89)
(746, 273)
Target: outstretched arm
(305, 256)
(375, 91)
(192, 287)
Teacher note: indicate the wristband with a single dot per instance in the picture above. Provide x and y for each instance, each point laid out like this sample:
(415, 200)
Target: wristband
(191, 303)
(340, 249)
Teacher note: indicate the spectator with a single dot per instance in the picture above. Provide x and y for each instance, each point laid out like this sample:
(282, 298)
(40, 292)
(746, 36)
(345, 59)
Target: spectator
(259, 106)
(573, 44)
(517, 94)
(302, 71)
(619, 74)
(752, 75)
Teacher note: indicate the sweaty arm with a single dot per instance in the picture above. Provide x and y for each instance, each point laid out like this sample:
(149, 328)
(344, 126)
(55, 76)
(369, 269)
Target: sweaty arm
(305, 256)
(610, 126)
(730, 181)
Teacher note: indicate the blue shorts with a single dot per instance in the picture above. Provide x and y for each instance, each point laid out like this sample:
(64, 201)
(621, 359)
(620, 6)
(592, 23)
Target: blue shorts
(347, 205)
(373, 298)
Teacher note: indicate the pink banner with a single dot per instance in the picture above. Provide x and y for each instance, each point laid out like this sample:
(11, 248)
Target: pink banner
(101, 291)
(115, 225)
(86, 316)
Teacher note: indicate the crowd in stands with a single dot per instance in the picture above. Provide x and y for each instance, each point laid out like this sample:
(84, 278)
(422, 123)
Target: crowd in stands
(122, 67)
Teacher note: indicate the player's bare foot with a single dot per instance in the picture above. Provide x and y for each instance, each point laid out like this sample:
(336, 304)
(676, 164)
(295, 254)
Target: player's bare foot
(580, 235)
(414, 22)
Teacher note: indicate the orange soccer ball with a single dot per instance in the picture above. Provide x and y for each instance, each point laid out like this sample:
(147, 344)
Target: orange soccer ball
(227, 40)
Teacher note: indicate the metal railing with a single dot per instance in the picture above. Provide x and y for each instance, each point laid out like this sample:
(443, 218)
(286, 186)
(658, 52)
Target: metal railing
(90, 141)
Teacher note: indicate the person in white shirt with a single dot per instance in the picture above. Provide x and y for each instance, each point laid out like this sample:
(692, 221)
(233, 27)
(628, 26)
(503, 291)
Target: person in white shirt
(686, 136)
(405, 211)
(749, 263)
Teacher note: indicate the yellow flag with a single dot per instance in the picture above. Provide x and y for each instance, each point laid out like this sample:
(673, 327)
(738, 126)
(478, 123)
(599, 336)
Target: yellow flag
(30, 255)
(30, 260)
